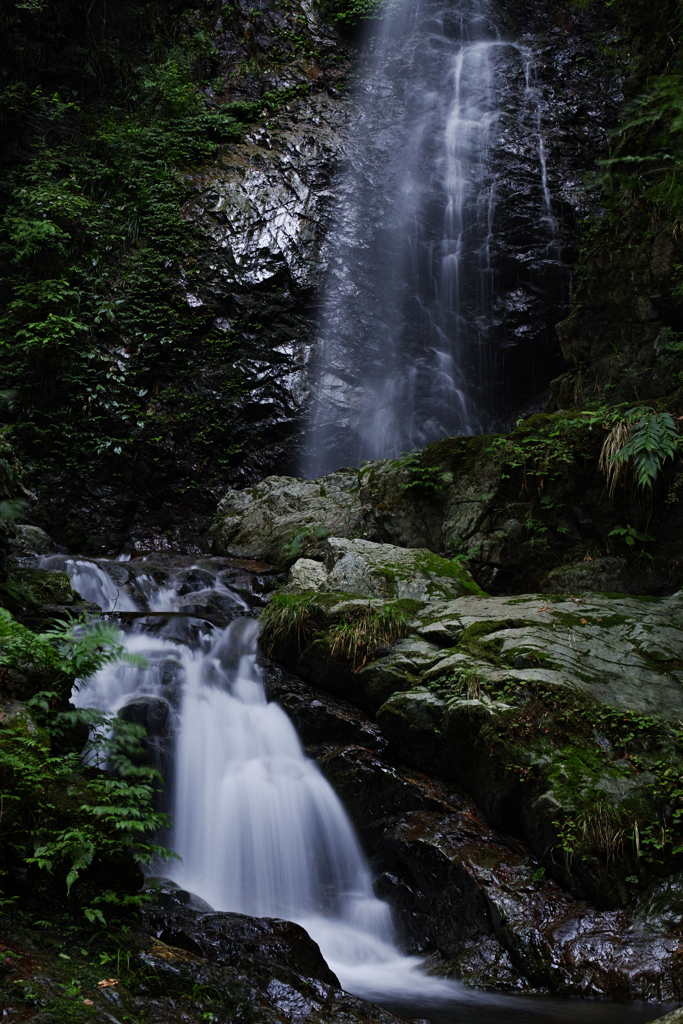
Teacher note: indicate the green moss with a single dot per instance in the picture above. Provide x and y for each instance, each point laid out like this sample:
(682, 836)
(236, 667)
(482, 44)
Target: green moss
(448, 569)
(592, 757)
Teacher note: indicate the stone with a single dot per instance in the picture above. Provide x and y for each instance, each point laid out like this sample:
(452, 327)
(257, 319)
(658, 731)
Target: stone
(454, 698)
(31, 540)
(217, 606)
(278, 519)
(154, 713)
(306, 574)
(608, 574)
(231, 940)
(167, 894)
(473, 899)
(369, 569)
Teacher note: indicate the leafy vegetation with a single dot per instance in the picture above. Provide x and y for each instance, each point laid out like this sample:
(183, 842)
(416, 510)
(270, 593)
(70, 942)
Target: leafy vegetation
(355, 634)
(641, 441)
(286, 615)
(122, 351)
(61, 655)
(62, 814)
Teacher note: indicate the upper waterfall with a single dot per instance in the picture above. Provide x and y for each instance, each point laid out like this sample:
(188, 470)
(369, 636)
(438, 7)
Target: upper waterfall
(445, 270)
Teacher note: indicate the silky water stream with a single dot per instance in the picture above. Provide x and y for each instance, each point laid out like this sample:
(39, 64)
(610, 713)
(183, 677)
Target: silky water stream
(259, 829)
(446, 259)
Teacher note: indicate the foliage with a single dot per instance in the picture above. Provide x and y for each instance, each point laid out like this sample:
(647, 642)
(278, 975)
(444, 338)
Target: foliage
(352, 12)
(60, 812)
(364, 631)
(57, 657)
(631, 535)
(652, 439)
(283, 615)
(615, 469)
(543, 448)
(357, 634)
(640, 442)
(292, 550)
(427, 479)
(94, 242)
(60, 817)
(644, 165)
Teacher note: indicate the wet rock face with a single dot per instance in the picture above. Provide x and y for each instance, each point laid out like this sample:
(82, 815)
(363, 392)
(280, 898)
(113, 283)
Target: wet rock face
(473, 899)
(384, 290)
(248, 968)
(367, 569)
(623, 331)
(557, 714)
(234, 940)
(264, 209)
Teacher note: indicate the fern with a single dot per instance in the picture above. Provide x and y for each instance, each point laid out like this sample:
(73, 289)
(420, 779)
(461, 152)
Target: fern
(653, 438)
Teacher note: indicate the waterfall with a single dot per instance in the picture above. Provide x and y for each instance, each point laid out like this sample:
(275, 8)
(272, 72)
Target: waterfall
(445, 264)
(259, 829)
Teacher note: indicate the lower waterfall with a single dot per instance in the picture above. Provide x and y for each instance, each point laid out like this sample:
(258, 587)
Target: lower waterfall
(262, 832)
(259, 829)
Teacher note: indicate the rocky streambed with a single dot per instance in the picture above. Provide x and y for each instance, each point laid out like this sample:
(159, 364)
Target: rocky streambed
(540, 851)
(471, 739)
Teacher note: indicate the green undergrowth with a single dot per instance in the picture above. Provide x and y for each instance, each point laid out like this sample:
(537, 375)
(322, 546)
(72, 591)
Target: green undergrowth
(115, 370)
(69, 829)
(338, 625)
(97, 258)
(363, 632)
(617, 776)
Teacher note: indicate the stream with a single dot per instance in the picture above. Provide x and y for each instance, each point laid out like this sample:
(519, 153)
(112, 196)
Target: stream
(259, 829)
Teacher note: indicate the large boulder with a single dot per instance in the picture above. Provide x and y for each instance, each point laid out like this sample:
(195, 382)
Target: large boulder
(31, 540)
(368, 569)
(233, 940)
(529, 511)
(478, 903)
(281, 516)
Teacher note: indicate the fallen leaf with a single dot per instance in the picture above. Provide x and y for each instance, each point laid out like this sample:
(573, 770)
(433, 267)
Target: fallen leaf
(107, 982)
(584, 622)
(544, 608)
(575, 600)
(87, 1002)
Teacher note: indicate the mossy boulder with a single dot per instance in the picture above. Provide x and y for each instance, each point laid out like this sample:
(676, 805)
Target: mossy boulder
(367, 569)
(561, 715)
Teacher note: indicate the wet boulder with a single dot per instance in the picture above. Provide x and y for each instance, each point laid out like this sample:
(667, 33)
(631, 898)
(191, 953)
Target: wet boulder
(31, 540)
(278, 519)
(233, 940)
(217, 606)
(368, 569)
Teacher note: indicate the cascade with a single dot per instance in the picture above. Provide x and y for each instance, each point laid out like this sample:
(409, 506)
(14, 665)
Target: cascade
(259, 829)
(445, 265)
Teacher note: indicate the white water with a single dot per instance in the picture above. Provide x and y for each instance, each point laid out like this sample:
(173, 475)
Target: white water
(444, 224)
(259, 829)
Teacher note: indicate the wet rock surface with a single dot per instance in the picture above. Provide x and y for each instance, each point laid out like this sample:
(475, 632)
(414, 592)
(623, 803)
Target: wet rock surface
(264, 210)
(526, 512)
(367, 569)
(558, 714)
(473, 898)
(234, 940)
(242, 975)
